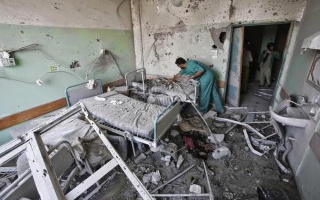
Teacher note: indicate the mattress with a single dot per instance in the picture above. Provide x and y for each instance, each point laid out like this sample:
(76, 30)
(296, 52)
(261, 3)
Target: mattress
(180, 89)
(123, 112)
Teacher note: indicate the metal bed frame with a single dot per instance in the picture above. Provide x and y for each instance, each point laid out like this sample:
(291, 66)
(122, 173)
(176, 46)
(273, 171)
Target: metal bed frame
(161, 124)
(139, 75)
(44, 175)
(76, 92)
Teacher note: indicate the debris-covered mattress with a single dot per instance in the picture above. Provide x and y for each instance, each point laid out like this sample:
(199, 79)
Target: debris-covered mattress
(123, 112)
(180, 88)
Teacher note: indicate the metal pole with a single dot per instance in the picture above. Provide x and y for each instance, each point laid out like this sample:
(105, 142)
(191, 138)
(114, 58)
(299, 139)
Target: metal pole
(174, 178)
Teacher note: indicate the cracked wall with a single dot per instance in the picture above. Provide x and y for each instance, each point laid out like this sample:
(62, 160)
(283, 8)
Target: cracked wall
(173, 28)
(65, 31)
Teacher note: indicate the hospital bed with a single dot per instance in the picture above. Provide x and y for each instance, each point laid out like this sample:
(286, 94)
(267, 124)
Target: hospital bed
(133, 119)
(157, 90)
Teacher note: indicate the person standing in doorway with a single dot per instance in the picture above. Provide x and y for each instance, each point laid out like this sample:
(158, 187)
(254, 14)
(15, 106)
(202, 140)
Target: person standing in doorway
(246, 59)
(266, 63)
(208, 87)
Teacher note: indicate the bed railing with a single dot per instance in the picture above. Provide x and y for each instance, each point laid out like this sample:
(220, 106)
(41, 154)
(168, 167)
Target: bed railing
(165, 120)
(138, 75)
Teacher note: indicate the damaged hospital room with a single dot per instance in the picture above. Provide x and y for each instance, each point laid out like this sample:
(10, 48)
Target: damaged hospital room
(160, 100)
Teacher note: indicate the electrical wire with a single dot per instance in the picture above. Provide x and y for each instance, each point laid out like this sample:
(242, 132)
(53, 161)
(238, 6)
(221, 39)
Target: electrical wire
(51, 59)
(12, 79)
(55, 72)
(89, 69)
(22, 48)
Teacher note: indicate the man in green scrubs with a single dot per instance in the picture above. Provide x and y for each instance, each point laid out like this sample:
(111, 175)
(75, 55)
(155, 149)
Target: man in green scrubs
(208, 87)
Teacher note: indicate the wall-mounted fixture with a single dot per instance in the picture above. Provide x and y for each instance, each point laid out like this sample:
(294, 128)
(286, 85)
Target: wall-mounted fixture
(6, 56)
(314, 73)
(6, 59)
(312, 42)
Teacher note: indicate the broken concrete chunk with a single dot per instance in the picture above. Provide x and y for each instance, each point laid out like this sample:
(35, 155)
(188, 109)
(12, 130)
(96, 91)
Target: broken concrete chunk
(180, 161)
(216, 138)
(246, 148)
(221, 152)
(210, 114)
(195, 189)
(219, 125)
(166, 140)
(156, 177)
(166, 158)
(236, 117)
(174, 133)
(140, 158)
(200, 168)
(153, 177)
(157, 149)
(171, 150)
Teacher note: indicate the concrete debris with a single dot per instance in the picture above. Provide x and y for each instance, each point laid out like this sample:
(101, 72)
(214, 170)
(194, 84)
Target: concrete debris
(216, 138)
(195, 189)
(200, 168)
(221, 152)
(210, 172)
(219, 125)
(210, 114)
(153, 177)
(167, 159)
(174, 133)
(180, 161)
(228, 195)
(115, 102)
(159, 148)
(246, 148)
(171, 150)
(140, 158)
(286, 180)
(236, 117)
(166, 140)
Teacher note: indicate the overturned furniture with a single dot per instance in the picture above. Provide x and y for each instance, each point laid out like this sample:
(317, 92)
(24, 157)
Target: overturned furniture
(45, 173)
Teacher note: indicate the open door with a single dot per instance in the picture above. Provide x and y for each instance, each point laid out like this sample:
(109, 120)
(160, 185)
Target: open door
(235, 67)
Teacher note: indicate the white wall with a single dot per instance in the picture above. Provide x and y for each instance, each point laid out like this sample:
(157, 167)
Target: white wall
(172, 28)
(110, 14)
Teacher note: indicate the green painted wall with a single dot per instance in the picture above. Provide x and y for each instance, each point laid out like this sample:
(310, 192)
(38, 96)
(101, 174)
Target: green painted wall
(62, 46)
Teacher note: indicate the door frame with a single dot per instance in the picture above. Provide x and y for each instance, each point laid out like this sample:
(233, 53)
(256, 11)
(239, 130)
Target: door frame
(284, 59)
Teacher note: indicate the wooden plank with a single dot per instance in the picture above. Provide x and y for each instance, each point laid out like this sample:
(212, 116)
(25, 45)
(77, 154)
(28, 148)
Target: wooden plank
(37, 111)
(19, 117)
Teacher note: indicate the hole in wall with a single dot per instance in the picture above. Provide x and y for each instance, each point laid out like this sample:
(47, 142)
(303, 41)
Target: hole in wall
(222, 37)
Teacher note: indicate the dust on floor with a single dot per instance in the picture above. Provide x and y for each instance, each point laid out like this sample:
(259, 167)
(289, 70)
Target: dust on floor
(235, 176)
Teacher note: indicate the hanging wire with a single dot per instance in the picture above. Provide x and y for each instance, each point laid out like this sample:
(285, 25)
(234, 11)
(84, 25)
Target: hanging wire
(51, 59)
(12, 79)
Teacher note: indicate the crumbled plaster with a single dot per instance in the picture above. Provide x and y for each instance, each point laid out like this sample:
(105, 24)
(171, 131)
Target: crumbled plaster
(215, 35)
(177, 3)
(231, 9)
(201, 22)
(111, 14)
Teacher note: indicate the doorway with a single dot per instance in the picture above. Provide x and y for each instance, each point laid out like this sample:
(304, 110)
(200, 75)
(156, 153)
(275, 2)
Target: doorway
(255, 39)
